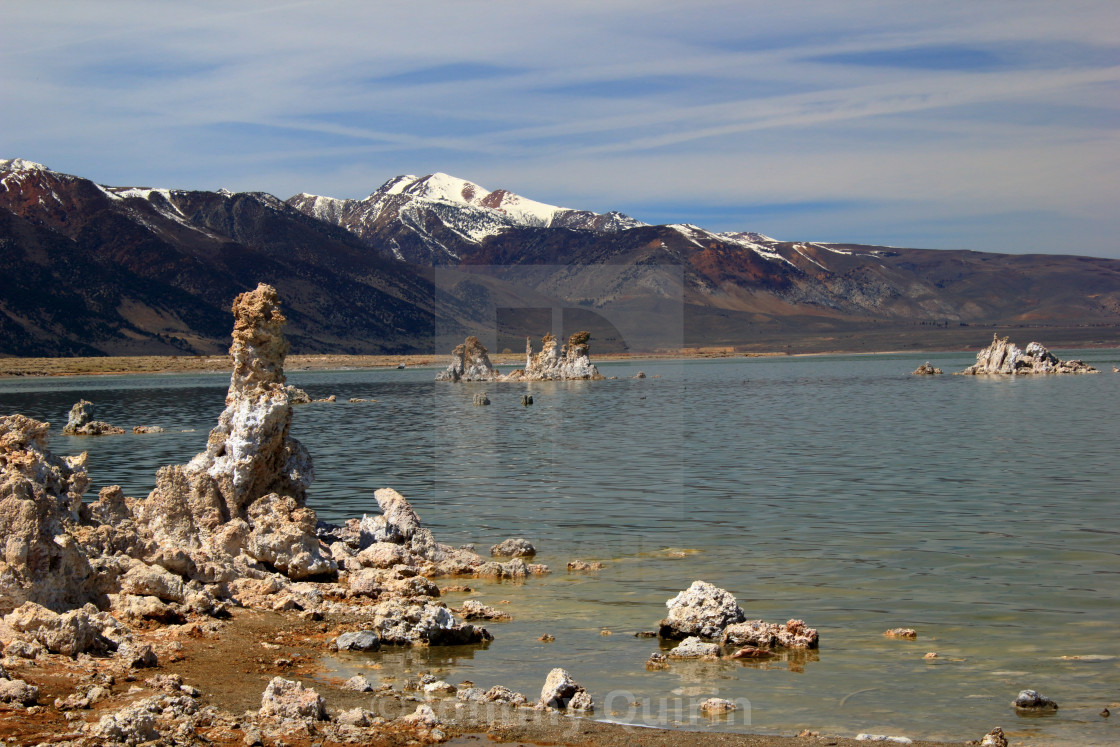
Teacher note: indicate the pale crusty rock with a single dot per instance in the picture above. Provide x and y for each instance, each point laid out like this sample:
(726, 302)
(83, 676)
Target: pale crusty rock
(926, 369)
(152, 581)
(358, 640)
(1004, 357)
(18, 691)
(717, 706)
(405, 623)
(141, 721)
(561, 691)
(398, 521)
(500, 694)
(81, 422)
(288, 699)
(40, 505)
(908, 633)
(571, 362)
(141, 430)
(756, 633)
(1032, 700)
(472, 609)
(994, 738)
(356, 717)
(469, 362)
(245, 494)
(694, 648)
(514, 547)
(70, 633)
(701, 610)
(359, 684)
(297, 396)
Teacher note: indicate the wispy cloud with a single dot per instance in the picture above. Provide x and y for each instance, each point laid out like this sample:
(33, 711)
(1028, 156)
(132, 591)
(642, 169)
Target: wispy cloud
(855, 120)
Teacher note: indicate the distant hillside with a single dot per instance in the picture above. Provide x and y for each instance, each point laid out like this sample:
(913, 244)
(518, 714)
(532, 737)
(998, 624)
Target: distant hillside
(94, 270)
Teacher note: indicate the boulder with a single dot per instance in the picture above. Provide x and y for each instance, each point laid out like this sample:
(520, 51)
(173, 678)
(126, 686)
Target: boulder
(514, 547)
(694, 648)
(288, 699)
(500, 694)
(40, 507)
(469, 362)
(717, 706)
(763, 635)
(700, 610)
(994, 738)
(81, 422)
(1032, 700)
(359, 684)
(18, 691)
(405, 623)
(561, 691)
(472, 609)
(1004, 357)
(926, 369)
(361, 640)
(71, 633)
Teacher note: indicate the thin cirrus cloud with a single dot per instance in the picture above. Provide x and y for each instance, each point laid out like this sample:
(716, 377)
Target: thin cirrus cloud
(989, 125)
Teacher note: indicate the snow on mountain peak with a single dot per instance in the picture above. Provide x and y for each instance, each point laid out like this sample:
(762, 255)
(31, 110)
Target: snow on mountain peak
(20, 164)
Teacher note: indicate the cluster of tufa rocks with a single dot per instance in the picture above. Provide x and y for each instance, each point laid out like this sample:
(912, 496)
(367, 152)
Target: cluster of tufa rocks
(704, 613)
(471, 362)
(81, 422)
(1004, 357)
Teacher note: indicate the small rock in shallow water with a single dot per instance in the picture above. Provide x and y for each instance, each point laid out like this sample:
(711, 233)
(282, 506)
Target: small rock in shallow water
(931, 655)
(1105, 713)
(1032, 700)
(717, 706)
(514, 547)
(583, 565)
(361, 640)
(561, 691)
(547, 638)
(907, 633)
(694, 648)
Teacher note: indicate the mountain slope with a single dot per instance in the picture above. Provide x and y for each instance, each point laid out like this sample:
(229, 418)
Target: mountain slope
(156, 271)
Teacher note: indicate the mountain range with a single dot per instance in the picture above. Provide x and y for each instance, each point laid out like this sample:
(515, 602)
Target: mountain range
(94, 270)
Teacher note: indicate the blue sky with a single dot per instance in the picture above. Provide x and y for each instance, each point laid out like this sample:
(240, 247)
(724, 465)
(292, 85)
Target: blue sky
(990, 126)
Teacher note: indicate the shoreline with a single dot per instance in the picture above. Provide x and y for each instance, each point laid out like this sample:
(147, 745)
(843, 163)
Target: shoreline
(11, 368)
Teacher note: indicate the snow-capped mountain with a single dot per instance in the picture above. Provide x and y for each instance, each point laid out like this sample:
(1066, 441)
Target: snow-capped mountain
(424, 219)
(95, 269)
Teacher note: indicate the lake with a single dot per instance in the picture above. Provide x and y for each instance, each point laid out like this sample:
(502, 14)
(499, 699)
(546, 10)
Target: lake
(980, 511)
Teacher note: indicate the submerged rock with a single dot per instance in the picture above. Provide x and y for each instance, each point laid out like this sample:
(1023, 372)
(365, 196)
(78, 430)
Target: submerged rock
(1004, 357)
(907, 633)
(81, 422)
(700, 610)
(717, 706)
(469, 362)
(694, 648)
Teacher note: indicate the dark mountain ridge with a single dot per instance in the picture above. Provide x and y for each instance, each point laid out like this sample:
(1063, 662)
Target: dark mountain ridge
(112, 270)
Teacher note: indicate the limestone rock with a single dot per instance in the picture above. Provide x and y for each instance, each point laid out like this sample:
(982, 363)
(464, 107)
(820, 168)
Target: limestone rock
(584, 565)
(18, 691)
(926, 369)
(361, 640)
(357, 717)
(908, 633)
(1032, 700)
(245, 494)
(404, 623)
(763, 635)
(398, 521)
(481, 400)
(694, 648)
(571, 362)
(81, 422)
(500, 694)
(561, 691)
(717, 706)
(297, 396)
(1004, 357)
(469, 362)
(141, 720)
(288, 699)
(71, 633)
(40, 505)
(358, 683)
(701, 610)
(515, 547)
(141, 430)
(152, 581)
(472, 609)
(994, 738)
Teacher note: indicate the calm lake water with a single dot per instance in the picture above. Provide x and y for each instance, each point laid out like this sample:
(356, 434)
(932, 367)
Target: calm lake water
(980, 511)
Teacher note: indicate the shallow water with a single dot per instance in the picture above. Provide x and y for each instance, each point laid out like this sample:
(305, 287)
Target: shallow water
(979, 511)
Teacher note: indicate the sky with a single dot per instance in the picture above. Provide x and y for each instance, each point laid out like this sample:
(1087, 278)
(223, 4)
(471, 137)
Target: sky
(992, 125)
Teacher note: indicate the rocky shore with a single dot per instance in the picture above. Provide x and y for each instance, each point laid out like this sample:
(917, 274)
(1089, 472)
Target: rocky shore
(1005, 357)
(201, 613)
